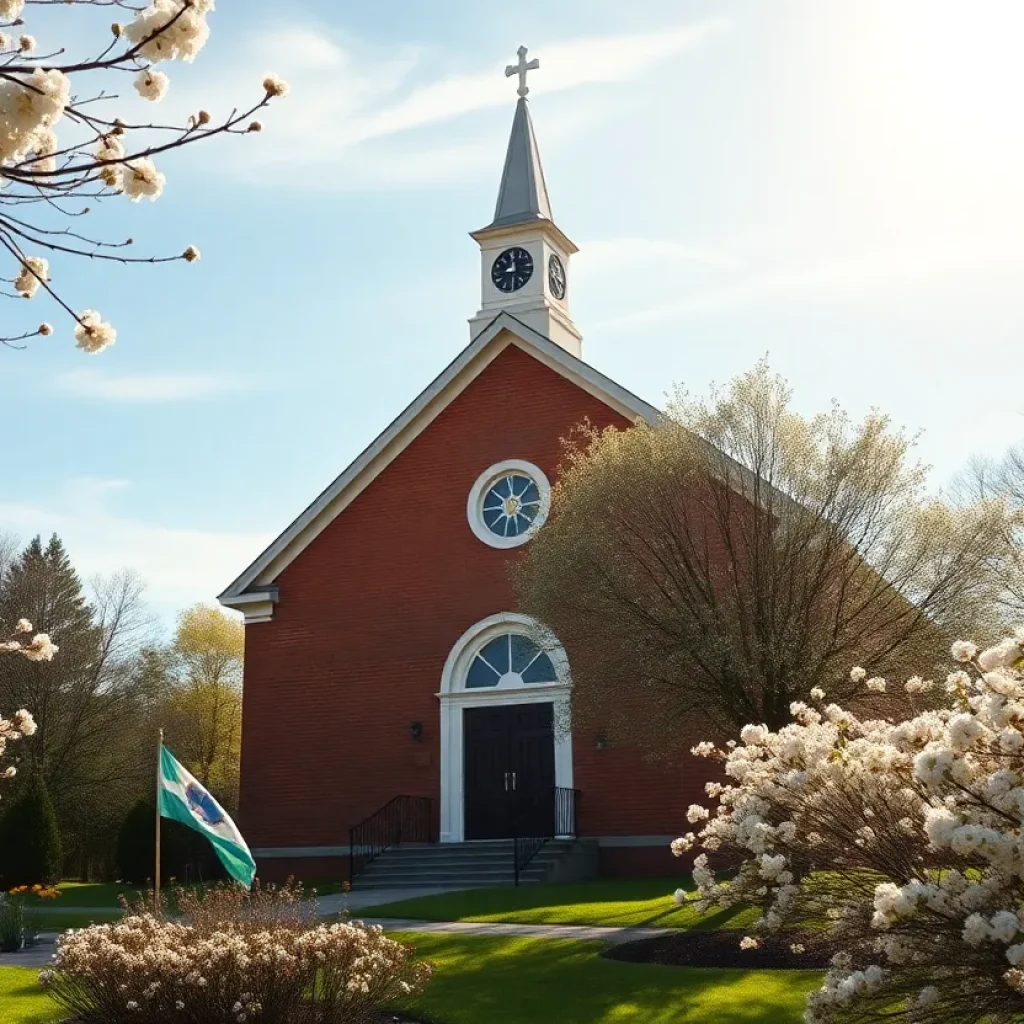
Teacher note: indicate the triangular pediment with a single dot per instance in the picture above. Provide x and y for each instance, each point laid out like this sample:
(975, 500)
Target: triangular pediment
(254, 591)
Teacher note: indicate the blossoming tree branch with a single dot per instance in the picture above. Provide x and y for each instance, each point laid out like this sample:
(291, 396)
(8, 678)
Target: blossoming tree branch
(898, 830)
(35, 648)
(99, 156)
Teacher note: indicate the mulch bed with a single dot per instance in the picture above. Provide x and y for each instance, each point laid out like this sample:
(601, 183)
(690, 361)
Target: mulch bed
(722, 949)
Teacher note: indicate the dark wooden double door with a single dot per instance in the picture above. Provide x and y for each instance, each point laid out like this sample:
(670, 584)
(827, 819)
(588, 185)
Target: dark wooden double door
(509, 771)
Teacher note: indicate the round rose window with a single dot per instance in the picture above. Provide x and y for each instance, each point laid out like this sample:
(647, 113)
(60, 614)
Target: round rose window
(508, 503)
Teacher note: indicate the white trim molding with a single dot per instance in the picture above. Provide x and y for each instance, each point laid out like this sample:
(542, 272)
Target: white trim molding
(454, 697)
(256, 605)
(478, 494)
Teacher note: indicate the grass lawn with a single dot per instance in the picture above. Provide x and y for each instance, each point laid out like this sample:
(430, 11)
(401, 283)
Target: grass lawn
(543, 981)
(560, 981)
(22, 1001)
(634, 902)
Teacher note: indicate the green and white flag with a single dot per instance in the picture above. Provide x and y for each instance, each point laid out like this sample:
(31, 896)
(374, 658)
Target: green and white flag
(185, 799)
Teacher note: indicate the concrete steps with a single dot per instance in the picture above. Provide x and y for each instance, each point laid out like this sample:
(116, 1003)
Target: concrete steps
(476, 865)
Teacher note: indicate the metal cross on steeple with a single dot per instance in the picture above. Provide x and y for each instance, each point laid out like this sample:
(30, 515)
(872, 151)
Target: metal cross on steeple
(520, 69)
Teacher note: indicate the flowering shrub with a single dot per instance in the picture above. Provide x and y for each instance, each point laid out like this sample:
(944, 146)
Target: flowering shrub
(241, 957)
(902, 837)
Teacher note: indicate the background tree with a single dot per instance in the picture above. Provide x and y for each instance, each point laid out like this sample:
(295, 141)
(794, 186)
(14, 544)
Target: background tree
(203, 712)
(733, 557)
(88, 746)
(49, 183)
(30, 847)
(1003, 479)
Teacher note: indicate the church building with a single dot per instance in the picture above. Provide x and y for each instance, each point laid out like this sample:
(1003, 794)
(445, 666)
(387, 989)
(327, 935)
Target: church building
(392, 691)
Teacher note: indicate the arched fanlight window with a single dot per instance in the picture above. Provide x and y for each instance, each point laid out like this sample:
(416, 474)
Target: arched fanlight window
(508, 660)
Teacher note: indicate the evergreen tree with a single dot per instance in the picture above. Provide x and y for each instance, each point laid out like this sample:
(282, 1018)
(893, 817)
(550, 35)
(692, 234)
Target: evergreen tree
(92, 746)
(30, 848)
(43, 586)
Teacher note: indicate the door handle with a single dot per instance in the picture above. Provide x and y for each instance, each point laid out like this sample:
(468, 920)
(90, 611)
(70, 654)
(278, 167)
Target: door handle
(513, 780)
(506, 782)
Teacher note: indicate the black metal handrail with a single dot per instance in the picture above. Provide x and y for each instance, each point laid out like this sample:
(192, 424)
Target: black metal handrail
(403, 819)
(562, 822)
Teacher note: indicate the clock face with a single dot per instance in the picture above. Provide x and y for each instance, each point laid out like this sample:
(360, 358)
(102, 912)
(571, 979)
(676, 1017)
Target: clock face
(512, 269)
(556, 277)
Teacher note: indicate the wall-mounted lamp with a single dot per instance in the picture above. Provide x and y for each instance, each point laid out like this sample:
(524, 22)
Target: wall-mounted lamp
(416, 731)
(600, 743)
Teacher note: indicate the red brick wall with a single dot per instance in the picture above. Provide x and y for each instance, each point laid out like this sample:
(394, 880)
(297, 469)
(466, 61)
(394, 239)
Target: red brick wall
(369, 612)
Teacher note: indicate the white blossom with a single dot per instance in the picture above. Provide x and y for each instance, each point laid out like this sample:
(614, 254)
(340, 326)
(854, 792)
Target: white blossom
(141, 179)
(29, 107)
(1002, 655)
(858, 674)
(683, 844)
(172, 30)
(754, 735)
(877, 684)
(695, 813)
(749, 942)
(33, 270)
(915, 684)
(10, 10)
(24, 722)
(40, 648)
(151, 85)
(92, 334)
(275, 86)
(964, 650)
(817, 693)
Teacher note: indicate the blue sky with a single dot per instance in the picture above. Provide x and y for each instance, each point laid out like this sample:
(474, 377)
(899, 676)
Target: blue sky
(840, 185)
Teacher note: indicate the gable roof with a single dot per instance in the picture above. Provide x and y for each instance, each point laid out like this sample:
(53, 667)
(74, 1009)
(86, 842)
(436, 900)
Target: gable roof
(256, 583)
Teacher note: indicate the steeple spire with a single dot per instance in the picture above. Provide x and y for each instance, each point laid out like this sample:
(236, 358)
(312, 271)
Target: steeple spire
(522, 195)
(525, 256)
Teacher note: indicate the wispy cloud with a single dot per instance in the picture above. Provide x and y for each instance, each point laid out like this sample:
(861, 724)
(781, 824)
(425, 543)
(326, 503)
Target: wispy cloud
(868, 272)
(604, 255)
(145, 388)
(350, 103)
(179, 565)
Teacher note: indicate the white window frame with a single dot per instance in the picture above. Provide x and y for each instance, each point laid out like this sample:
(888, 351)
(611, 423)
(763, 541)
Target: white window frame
(454, 697)
(485, 481)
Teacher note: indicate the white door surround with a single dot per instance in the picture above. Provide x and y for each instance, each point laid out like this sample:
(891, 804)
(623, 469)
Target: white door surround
(453, 697)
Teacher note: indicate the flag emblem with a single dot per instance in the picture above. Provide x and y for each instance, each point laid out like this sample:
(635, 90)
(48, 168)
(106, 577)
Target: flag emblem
(202, 804)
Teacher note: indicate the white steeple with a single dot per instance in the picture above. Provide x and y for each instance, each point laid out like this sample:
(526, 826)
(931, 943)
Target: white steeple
(525, 257)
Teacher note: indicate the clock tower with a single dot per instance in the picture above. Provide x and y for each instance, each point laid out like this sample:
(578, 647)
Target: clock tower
(524, 255)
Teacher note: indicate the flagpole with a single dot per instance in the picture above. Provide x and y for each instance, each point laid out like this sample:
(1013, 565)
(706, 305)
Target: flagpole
(156, 875)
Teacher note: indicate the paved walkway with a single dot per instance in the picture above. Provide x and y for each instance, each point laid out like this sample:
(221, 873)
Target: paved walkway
(581, 932)
(362, 898)
(36, 956)
(39, 955)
